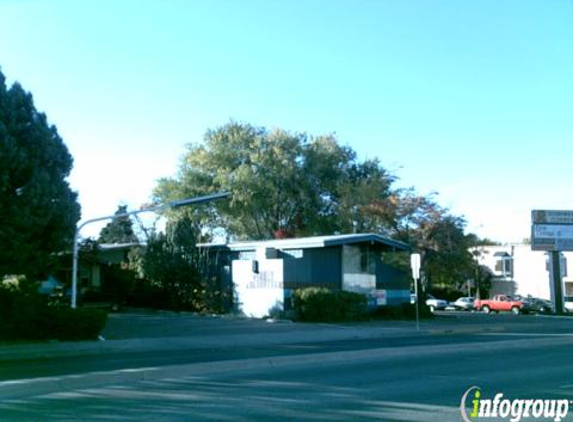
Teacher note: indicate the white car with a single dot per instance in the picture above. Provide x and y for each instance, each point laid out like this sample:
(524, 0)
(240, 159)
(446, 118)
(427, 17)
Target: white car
(464, 303)
(435, 304)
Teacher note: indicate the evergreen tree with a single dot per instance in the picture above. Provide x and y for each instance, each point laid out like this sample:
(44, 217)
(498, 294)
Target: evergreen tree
(38, 210)
(118, 230)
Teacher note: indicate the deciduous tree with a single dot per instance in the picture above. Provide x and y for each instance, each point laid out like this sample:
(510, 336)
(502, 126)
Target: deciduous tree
(281, 183)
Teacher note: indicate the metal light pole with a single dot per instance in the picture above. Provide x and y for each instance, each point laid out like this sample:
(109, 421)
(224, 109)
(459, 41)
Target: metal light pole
(174, 204)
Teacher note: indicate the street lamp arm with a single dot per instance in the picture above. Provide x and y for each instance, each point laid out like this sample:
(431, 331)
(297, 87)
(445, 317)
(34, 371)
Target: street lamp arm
(95, 220)
(198, 200)
(173, 204)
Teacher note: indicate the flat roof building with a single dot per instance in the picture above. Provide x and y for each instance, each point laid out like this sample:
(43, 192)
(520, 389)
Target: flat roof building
(263, 274)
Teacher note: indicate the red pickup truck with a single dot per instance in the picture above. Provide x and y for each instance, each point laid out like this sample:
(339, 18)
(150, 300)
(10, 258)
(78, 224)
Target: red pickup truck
(502, 303)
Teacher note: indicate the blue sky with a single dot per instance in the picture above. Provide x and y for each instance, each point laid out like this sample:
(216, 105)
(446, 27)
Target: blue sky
(470, 99)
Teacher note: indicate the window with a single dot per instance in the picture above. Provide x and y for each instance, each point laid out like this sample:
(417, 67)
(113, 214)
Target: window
(367, 260)
(503, 264)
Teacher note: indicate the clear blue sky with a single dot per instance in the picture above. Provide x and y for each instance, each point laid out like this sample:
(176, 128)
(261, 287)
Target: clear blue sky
(471, 99)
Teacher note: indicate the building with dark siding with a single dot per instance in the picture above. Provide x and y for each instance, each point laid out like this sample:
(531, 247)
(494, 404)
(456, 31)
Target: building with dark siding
(264, 274)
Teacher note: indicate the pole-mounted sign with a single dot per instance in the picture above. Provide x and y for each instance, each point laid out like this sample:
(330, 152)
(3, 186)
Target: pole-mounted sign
(551, 230)
(415, 264)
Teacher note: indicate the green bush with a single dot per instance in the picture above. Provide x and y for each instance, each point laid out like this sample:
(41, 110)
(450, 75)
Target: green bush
(316, 304)
(26, 315)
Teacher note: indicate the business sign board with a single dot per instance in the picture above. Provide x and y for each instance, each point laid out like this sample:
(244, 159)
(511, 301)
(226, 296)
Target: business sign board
(551, 217)
(551, 230)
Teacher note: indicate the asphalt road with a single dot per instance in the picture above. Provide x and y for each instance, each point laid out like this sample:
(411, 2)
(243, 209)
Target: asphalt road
(415, 377)
(32, 368)
(397, 334)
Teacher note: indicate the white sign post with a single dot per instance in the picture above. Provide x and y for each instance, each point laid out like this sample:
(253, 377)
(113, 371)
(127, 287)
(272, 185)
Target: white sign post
(415, 264)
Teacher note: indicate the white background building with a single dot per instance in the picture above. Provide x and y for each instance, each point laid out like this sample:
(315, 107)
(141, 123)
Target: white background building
(519, 270)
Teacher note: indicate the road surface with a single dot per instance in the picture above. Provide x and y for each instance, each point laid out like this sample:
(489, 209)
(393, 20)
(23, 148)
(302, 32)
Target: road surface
(413, 377)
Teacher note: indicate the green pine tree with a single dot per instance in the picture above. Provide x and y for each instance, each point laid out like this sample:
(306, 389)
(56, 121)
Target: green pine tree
(38, 210)
(119, 229)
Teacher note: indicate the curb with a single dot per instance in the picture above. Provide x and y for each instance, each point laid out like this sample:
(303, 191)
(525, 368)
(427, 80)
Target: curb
(569, 317)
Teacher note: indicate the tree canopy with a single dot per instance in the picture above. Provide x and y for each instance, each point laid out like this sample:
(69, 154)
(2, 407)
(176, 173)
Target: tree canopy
(281, 183)
(38, 210)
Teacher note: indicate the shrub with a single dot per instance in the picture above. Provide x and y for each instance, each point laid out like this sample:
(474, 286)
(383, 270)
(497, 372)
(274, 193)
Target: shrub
(317, 304)
(77, 324)
(148, 295)
(26, 315)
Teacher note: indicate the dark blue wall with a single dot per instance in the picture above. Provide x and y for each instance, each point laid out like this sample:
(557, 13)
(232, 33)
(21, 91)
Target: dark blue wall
(388, 277)
(317, 267)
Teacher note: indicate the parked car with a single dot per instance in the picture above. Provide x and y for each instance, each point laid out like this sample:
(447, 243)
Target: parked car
(536, 304)
(501, 303)
(435, 304)
(541, 305)
(464, 304)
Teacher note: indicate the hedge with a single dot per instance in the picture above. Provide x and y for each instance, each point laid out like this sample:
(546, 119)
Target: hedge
(316, 304)
(28, 316)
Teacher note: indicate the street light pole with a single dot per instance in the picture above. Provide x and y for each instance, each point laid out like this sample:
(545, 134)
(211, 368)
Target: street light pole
(173, 204)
